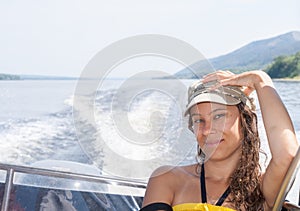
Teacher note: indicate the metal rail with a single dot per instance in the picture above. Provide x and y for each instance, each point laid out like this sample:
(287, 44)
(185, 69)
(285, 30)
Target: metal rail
(12, 169)
(8, 186)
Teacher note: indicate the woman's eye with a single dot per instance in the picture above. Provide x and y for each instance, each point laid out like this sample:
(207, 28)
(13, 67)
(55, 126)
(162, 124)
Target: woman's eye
(198, 121)
(218, 116)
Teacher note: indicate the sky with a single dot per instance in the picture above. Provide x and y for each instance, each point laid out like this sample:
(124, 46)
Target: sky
(59, 37)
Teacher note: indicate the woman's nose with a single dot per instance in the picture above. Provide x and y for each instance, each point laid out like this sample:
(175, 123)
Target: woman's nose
(207, 128)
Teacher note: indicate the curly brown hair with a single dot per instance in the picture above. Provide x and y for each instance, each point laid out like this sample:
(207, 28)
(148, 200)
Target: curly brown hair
(245, 180)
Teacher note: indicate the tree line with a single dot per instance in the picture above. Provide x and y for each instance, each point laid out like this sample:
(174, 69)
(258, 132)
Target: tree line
(285, 67)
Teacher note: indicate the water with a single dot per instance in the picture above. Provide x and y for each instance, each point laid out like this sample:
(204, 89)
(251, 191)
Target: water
(37, 123)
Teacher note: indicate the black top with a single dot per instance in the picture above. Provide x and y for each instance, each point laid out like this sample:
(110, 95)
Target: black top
(157, 206)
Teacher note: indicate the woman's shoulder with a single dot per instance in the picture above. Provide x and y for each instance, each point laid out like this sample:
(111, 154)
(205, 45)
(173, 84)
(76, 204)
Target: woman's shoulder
(165, 181)
(174, 173)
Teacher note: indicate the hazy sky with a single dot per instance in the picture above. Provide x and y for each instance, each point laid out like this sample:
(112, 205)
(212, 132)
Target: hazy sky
(59, 37)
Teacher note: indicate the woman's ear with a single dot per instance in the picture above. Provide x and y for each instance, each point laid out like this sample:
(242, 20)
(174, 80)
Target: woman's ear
(191, 128)
(191, 125)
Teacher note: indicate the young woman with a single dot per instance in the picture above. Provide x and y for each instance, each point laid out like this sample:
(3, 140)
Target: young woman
(228, 174)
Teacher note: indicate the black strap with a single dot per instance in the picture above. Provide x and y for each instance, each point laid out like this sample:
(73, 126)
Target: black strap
(203, 189)
(157, 206)
(223, 197)
(203, 186)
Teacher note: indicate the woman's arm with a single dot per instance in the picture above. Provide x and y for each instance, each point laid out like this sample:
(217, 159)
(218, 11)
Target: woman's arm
(278, 125)
(280, 133)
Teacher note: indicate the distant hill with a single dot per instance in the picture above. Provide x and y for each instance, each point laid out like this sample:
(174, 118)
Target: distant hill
(4, 76)
(45, 77)
(9, 77)
(256, 55)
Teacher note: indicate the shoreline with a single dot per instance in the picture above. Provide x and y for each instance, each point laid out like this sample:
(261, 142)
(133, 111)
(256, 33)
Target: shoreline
(286, 79)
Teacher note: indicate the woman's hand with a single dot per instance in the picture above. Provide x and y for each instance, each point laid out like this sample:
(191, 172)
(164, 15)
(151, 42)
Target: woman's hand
(248, 80)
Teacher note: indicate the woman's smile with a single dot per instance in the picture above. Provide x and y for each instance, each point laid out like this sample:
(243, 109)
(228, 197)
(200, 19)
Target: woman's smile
(213, 143)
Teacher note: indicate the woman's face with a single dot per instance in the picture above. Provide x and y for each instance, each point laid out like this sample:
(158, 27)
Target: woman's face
(217, 129)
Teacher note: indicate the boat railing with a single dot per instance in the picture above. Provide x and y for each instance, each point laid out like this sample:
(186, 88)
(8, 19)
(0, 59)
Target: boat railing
(12, 170)
(287, 184)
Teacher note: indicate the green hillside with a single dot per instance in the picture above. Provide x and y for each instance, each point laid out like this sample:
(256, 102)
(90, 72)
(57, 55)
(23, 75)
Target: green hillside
(285, 67)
